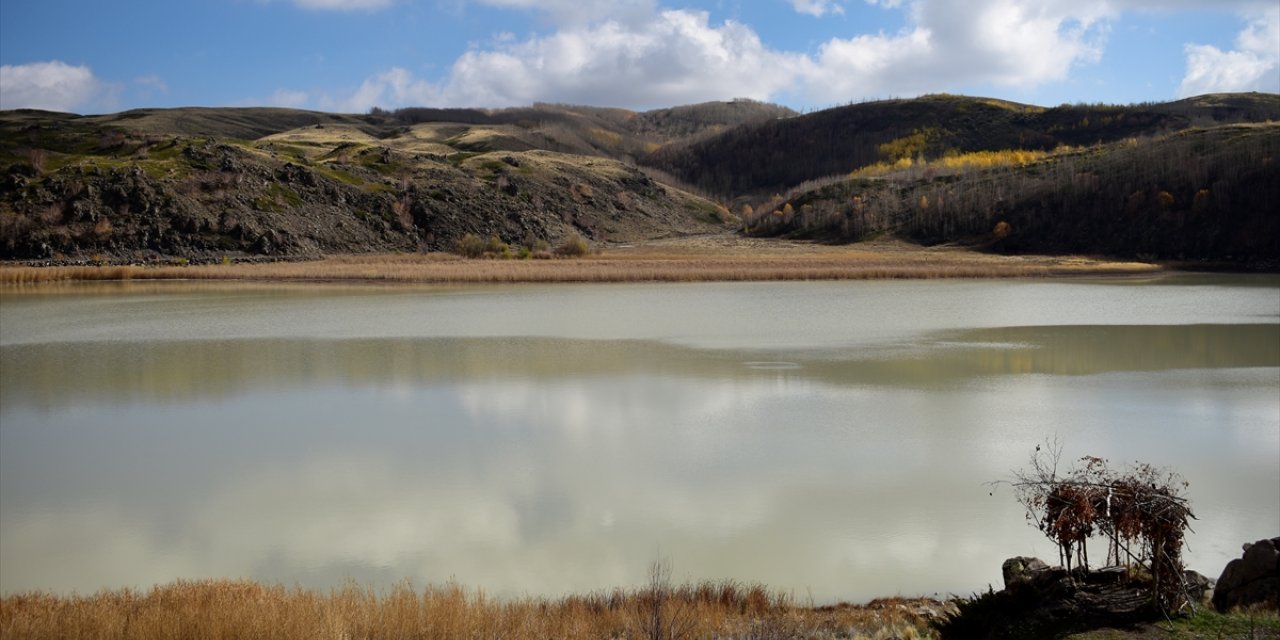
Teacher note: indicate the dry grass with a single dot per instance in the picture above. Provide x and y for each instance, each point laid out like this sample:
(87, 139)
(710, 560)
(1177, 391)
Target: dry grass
(244, 609)
(707, 259)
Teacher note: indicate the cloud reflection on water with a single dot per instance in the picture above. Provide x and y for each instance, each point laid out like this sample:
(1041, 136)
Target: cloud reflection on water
(545, 465)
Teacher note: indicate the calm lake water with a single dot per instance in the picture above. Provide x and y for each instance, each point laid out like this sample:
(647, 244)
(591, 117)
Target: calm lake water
(830, 439)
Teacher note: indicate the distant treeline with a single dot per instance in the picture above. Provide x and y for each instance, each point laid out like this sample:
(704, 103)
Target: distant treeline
(1200, 194)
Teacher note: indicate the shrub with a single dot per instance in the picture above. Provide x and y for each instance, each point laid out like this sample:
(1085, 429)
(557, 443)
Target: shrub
(573, 246)
(470, 246)
(1002, 230)
(496, 247)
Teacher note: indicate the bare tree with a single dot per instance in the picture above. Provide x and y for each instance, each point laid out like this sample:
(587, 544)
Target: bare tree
(664, 613)
(1140, 511)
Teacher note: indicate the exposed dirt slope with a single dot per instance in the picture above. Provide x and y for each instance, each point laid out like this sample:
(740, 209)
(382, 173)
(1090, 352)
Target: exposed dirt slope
(73, 188)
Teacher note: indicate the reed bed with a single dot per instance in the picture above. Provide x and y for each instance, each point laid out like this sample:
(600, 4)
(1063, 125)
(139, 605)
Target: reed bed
(610, 266)
(244, 609)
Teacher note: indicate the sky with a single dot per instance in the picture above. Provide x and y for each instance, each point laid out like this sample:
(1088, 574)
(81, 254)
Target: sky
(102, 56)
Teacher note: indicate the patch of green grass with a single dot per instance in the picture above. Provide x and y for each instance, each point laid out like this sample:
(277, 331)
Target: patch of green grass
(165, 151)
(462, 156)
(284, 193)
(340, 175)
(1208, 623)
(708, 210)
(380, 160)
(1205, 624)
(278, 198)
(295, 152)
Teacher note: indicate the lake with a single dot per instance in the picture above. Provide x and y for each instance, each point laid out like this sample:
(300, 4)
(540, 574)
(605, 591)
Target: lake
(830, 439)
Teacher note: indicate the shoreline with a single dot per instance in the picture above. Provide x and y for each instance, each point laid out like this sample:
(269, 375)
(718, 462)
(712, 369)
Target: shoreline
(216, 608)
(222, 608)
(717, 258)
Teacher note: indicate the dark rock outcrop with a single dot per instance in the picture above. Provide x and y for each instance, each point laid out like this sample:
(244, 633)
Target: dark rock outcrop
(1021, 569)
(1043, 601)
(73, 190)
(1252, 579)
(211, 200)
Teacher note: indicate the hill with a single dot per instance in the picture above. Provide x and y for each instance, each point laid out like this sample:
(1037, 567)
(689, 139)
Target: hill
(1201, 194)
(184, 183)
(240, 123)
(201, 182)
(769, 156)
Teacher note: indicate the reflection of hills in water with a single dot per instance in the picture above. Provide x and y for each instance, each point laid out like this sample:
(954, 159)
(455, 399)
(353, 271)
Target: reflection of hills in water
(50, 375)
(1084, 350)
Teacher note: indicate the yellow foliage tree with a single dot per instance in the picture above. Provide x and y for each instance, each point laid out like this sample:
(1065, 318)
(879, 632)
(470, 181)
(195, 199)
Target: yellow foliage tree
(1002, 230)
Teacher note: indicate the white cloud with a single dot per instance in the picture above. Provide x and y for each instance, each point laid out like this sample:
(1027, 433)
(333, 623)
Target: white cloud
(1254, 65)
(675, 57)
(393, 88)
(817, 8)
(949, 46)
(288, 98)
(146, 88)
(633, 54)
(153, 83)
(1013, 42)
(53, 85)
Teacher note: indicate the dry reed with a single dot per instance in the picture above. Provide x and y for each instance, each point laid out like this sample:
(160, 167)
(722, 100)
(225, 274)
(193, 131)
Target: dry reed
(815, 263)
(245, 609)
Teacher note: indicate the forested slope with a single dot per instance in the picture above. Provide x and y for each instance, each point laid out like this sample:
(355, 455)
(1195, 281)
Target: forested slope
(1203, 194)
(774, 155)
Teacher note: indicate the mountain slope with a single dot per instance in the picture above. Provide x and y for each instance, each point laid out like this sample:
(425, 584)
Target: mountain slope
(200, 182)
(775, 155)
(1209, 194)
(74, 187)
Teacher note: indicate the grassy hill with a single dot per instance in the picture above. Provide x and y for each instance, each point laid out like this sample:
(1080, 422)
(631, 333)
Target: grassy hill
(204, 182)
(245, 123)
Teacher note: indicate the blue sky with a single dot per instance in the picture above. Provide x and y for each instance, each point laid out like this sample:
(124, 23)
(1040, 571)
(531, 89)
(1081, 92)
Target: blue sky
(96, 56)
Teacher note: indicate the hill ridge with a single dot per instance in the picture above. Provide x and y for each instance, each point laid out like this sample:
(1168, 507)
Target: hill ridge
(203, 181)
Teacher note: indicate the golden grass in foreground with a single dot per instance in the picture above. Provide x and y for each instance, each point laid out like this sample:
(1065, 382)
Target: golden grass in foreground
(244, 609)
(682, 263)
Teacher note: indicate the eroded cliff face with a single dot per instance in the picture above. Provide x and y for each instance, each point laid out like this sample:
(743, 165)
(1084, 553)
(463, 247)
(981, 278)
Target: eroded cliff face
(151, 195)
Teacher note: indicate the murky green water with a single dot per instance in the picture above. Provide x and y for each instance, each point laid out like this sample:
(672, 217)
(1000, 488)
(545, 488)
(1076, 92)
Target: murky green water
(827, 438)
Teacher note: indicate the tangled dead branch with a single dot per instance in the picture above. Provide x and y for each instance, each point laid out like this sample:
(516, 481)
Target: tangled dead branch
(1139, 511)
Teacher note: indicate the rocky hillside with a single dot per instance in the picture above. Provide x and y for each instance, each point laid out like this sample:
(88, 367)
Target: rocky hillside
(204, 183)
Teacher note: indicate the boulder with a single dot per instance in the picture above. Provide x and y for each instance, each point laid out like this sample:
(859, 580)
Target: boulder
(1252, 579)
(1199, 586)
(1040, 601)
(1021, 569)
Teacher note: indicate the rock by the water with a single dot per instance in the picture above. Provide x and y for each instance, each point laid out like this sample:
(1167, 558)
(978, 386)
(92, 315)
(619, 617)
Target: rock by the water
(1199, 586)
(1056, 596)
(1252, 579)
(1020, 568)
(1043, 601)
